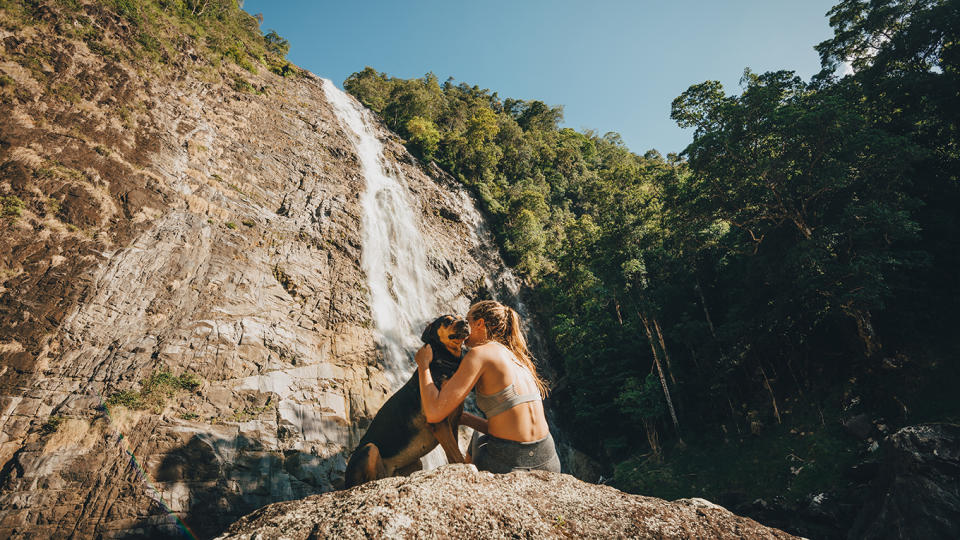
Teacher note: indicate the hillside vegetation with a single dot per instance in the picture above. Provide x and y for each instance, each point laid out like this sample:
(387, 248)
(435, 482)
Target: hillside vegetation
(150, 33)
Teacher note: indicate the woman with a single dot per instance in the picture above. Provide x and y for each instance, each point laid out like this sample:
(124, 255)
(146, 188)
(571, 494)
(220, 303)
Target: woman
(509, 393)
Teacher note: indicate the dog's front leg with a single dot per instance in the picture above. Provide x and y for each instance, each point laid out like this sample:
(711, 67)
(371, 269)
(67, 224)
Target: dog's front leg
(445, 432)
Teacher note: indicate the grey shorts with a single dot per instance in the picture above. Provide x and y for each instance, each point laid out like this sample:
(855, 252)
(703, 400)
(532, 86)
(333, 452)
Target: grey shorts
(497, 455)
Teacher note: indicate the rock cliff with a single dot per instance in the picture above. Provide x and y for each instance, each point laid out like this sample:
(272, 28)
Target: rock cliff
(456, 501)
(185, 330)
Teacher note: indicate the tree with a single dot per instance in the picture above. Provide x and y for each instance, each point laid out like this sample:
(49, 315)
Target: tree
(276, 44)
(424, 136)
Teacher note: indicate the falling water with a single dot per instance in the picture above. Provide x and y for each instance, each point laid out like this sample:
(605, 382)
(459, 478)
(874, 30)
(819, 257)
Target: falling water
(402, 297)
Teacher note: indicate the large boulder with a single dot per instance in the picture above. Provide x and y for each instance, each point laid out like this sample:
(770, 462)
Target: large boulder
(457, 501)
(917, 491)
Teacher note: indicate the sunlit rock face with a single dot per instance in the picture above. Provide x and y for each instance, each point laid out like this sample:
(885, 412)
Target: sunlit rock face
(174, 225)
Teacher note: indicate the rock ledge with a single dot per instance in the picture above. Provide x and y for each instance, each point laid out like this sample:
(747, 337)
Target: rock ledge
(457, 501)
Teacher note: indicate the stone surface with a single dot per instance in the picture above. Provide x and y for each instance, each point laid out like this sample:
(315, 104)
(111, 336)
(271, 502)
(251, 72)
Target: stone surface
(456, 501)
(916, 494)
(174, 223)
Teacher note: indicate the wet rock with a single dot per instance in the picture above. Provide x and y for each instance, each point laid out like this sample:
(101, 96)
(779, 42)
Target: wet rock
(456, 501)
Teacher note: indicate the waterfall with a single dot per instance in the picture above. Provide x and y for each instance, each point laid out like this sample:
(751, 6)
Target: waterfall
(402, 297)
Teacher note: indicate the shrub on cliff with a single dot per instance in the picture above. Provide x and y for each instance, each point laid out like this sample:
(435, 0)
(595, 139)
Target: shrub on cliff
(155, 390)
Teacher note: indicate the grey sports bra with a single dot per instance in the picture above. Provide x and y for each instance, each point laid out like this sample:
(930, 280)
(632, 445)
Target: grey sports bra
(505, 399)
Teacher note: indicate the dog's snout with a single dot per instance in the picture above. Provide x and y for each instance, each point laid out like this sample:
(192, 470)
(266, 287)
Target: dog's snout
(461, 328)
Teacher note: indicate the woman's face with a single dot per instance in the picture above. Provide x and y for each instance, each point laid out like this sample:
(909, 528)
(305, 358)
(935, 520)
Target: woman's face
(478, 332)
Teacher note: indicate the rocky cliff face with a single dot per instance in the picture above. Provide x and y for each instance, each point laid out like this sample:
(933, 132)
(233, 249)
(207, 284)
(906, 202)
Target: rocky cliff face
(456, 501)
(185, 330)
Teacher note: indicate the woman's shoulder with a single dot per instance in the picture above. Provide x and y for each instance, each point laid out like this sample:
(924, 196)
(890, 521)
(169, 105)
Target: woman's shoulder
(490, 352)
(490, 347)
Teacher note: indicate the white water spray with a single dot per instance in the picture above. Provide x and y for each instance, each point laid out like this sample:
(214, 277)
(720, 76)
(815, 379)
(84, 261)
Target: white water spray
(402, 296)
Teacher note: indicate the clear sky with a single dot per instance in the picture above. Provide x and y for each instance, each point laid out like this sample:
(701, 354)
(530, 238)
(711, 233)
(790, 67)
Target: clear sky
(613, 65)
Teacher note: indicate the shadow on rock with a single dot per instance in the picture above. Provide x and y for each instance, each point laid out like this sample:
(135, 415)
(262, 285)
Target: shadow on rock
(201, 487)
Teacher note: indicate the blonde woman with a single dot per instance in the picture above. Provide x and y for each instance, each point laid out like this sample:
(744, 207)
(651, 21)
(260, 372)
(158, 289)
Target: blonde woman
(509, 392)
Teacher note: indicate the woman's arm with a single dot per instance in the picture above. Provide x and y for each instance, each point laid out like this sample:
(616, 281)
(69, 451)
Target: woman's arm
(438, 404)
(475, 422)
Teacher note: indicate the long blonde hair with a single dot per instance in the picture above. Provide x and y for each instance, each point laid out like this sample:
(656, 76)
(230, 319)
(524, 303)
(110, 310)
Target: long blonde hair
(503, 326)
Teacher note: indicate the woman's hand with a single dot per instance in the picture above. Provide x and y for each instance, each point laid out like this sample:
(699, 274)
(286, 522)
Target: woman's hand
(423, 357)
(437, 404)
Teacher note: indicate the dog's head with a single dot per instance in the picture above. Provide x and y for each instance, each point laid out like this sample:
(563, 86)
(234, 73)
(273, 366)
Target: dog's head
(445, 336)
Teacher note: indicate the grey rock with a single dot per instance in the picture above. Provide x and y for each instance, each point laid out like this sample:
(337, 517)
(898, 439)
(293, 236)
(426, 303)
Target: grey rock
(457, 501)
(916, 494)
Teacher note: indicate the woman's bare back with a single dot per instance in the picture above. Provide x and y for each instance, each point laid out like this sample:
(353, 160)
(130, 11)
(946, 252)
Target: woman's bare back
(524, 422)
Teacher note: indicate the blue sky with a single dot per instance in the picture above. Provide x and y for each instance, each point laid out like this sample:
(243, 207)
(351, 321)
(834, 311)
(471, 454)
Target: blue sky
(613, 65)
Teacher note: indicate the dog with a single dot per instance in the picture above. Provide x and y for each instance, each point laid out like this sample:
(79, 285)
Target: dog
(400, 434)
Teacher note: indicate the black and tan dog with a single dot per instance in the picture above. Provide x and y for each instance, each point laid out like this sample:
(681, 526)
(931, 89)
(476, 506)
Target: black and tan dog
(400, 434)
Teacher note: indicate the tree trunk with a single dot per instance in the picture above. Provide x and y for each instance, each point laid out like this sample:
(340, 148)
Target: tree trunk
(733, 416)
(706, 312)
(796, 381)
(653, 439)
(663, 347)
(865, 331)
(773, 399)
(663, 380)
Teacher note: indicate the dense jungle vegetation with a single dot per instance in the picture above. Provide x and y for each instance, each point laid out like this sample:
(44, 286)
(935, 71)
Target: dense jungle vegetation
(715, 316)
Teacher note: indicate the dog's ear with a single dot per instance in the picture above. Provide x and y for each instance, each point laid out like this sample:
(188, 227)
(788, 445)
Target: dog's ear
(430, 333)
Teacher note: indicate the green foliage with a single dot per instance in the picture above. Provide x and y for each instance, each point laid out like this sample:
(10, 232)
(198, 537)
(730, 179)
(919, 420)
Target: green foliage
(642, 399)
(816, 193)
(126, 398)
(276, 44)
(11, 206)
(792, 466)
(230, 225)
(9, 89)
(155, 390)
(241, 85)
(651, 478)
(237, 53)
(247, 413)
(159, 31)
(424, 136)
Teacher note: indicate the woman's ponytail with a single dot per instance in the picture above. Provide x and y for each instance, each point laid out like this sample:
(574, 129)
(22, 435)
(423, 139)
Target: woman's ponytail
(518, 345)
